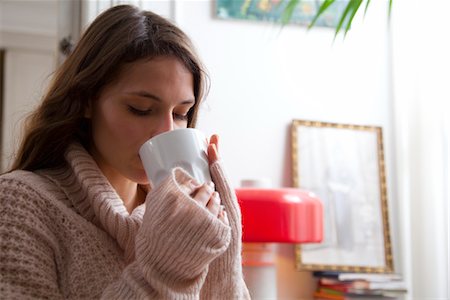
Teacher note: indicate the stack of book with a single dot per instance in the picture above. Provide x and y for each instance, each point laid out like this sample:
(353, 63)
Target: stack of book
(355, 286)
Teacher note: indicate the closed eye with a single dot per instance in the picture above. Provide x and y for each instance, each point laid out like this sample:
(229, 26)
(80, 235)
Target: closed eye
(139, 112)
(180, 117)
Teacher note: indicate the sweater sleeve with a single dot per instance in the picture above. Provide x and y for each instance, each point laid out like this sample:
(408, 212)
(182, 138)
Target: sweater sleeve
(27, 261)
(225, 279)
(176, 243)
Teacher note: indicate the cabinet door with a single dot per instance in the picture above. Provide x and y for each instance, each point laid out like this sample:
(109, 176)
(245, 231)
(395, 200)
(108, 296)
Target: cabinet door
(26, 74)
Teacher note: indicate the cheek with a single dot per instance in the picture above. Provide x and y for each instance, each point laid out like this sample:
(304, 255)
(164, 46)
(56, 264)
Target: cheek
(133, 133)
(115, 129)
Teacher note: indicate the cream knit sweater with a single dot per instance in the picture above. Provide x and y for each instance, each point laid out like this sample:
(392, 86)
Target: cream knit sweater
(65, 234)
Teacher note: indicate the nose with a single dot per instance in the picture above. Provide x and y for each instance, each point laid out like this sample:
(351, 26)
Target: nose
(165, 123)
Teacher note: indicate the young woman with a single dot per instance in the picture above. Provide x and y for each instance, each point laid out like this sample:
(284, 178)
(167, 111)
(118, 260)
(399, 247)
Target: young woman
(78, 219)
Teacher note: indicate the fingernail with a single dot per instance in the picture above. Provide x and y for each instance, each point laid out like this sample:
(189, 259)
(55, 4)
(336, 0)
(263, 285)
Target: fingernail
(217, 151)
(211, 184)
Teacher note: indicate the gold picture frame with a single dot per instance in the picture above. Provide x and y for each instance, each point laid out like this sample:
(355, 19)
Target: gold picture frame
(344, 166)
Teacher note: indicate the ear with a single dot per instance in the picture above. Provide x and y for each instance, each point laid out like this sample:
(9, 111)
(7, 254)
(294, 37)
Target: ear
(88, 109)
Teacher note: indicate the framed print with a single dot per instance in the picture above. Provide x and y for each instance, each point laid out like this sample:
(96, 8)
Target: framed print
(272, 10)
(344, 166)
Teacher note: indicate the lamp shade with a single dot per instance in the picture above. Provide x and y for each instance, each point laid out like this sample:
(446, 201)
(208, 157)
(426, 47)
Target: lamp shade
(284, 215)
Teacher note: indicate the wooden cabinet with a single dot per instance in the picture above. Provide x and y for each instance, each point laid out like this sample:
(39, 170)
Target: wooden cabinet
(28, 35)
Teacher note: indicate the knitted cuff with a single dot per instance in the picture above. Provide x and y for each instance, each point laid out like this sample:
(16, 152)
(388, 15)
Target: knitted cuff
(225, 278)
(228, 197)
(178, 239)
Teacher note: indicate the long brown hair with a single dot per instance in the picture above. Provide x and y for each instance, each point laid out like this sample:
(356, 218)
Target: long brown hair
(120, 35)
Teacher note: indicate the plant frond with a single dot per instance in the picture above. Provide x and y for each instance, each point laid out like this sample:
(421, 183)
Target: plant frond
(343, 17)
(367, 6)
(288, 11)
(345, 20)
(354, 9)
(321, 10)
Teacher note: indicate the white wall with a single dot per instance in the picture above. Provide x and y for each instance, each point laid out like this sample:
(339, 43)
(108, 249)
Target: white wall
(263, 78)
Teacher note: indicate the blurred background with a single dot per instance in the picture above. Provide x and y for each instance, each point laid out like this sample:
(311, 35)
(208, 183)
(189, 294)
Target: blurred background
(393, 73)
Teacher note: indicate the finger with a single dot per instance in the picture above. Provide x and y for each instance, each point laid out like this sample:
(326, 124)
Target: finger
(213, 149)
(214, 204)
(213, 154)
(190, 186)
(223, 217)
(214, 140)
(204, 193)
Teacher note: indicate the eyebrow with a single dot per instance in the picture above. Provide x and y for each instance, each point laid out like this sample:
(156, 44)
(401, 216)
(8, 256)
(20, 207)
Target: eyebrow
(156, 98)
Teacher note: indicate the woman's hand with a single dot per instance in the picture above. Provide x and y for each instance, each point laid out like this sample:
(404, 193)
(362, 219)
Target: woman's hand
(207, 197)
(205, 194)
(213, 149)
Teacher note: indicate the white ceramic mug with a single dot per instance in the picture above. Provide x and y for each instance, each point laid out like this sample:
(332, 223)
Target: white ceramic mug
(185, 148)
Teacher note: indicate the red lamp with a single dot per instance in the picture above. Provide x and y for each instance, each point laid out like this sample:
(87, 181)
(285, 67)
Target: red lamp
(283, 215)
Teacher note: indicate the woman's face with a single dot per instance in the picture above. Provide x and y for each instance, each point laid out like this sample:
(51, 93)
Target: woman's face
(148, 98)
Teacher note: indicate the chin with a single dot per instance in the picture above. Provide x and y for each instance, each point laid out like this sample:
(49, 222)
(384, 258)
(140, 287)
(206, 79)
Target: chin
(141, 178)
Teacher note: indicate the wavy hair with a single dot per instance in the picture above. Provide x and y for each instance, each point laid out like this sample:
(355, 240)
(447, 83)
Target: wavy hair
(120, 35)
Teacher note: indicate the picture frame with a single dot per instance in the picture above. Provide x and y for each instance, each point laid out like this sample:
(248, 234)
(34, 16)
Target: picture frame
(273, 10)
(344, 166)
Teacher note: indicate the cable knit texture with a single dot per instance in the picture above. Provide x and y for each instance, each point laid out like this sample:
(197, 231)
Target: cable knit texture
(65, 234)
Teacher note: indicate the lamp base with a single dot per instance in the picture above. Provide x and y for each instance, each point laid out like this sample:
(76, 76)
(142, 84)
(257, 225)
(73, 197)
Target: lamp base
(260, 271)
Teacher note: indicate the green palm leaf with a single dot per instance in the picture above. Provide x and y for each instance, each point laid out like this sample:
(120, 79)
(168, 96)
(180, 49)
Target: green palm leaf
(355, 4)
(345, 20)
(321, 10)
(288, 11)
(367, 6)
